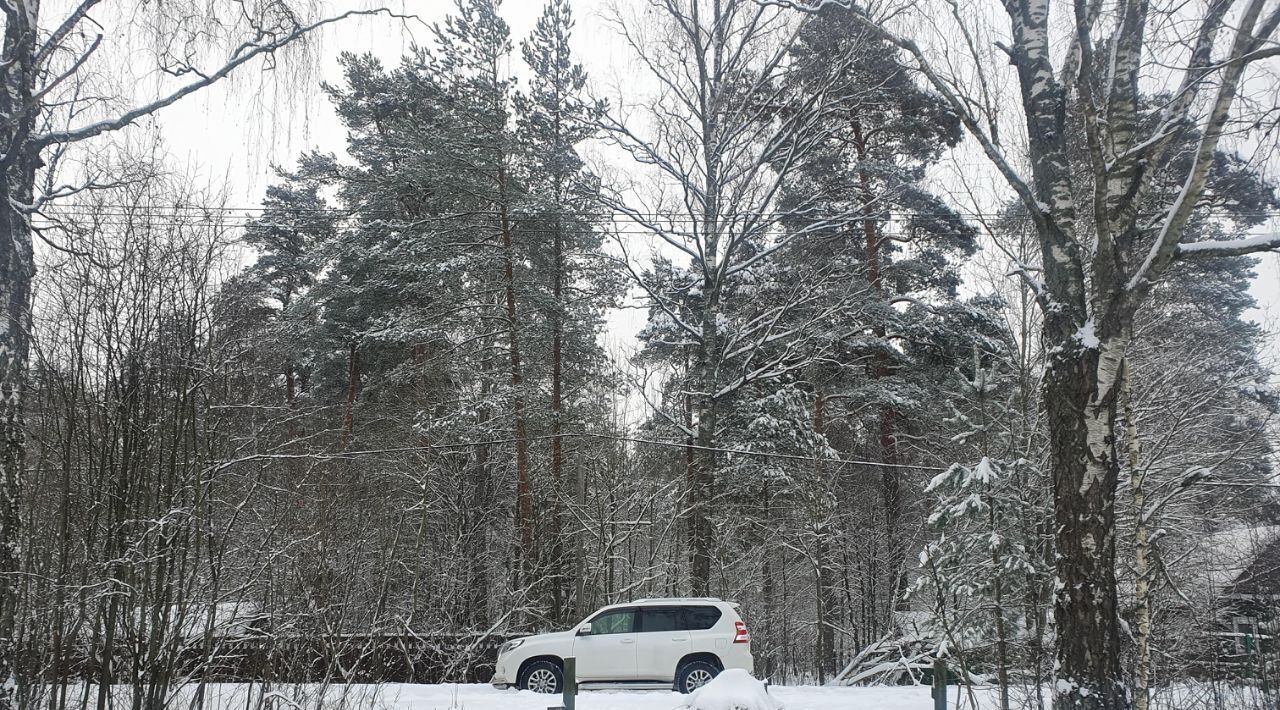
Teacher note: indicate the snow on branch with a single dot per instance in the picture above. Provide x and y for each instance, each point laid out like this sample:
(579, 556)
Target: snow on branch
(1230, 247)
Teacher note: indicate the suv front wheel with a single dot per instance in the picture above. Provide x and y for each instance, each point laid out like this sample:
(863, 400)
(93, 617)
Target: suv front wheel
(694, 674)
(542, 677)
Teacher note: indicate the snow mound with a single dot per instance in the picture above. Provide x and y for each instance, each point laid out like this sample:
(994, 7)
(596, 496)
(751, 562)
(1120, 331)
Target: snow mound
(733, 689)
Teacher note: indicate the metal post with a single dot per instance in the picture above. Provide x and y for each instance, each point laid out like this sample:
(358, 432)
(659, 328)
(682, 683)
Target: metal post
(570, 683)
(939, 684)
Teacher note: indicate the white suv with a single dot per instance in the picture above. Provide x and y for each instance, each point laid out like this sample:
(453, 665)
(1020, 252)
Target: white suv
(650, 643)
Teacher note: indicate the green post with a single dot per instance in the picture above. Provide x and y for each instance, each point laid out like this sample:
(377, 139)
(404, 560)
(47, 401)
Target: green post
(570, 683)
(939, 684)
(1248, 655)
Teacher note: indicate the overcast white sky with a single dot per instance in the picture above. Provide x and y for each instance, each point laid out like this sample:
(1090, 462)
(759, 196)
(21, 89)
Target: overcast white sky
(224, 133)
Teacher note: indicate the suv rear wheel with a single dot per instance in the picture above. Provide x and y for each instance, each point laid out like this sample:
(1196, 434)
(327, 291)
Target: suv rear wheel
(694, 674)
(542, 677)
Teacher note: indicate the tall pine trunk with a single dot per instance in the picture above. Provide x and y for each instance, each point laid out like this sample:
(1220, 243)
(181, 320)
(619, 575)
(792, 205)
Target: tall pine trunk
(888, 416)
(827, 602)
(353, 388)
(524, 488)
(557, 422)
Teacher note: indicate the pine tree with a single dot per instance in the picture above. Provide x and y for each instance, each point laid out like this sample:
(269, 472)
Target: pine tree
(902, 246)
(570, 282)
(295, 222)
(987, 555)
(470, 278)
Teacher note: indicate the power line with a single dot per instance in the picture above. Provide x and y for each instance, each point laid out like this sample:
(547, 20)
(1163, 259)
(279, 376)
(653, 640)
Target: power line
(127, 210)
(340, 455)
(541, 232)
(162, 221)
(674, 227)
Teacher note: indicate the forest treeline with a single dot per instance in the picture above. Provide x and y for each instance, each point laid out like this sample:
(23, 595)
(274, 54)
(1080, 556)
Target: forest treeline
(389, 403)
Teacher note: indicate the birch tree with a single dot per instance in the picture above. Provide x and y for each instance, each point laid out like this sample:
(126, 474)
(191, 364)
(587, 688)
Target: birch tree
(1093, 156)
(48, 107)
(1195, 405)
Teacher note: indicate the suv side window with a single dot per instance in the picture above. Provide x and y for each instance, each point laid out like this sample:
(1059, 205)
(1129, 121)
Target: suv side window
(660, 618)
(614, 621)
(700, 618)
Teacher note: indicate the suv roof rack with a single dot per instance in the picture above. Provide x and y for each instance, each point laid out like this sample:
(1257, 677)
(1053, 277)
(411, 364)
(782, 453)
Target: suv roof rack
(678, 599)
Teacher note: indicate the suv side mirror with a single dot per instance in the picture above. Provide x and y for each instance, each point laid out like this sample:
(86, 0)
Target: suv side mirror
(584, 630)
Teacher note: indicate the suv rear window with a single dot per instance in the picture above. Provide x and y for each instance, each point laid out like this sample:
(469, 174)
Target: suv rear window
(700, 618)
(661, 618)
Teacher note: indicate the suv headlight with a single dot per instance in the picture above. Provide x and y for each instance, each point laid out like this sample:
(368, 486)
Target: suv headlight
(510, 646)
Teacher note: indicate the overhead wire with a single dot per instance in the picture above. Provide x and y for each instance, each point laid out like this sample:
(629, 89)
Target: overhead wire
(338, 455)
(126, 210)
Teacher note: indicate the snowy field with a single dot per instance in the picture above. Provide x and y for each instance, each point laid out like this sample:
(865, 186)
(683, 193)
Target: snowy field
(239, 696)
(485, 697)
(479, 697)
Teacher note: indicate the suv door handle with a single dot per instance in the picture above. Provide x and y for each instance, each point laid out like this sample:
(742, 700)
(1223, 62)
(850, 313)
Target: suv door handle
(628, 640)
(678, 639)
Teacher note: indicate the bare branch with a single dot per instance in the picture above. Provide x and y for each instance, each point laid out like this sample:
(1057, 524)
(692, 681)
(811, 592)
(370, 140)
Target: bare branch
(55, 38)
(241, 56)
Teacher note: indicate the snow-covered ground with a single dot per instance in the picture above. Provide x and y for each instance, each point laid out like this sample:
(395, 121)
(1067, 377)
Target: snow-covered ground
(483, 697)
(232, 696)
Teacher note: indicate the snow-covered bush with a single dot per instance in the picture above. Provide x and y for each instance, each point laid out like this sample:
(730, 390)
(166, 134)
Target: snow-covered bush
(733, 689)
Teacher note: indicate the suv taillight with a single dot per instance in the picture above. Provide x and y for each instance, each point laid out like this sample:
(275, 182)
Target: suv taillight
(740, 634)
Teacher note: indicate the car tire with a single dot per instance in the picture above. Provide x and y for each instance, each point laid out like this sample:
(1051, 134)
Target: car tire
(694, 674)
(542, 677)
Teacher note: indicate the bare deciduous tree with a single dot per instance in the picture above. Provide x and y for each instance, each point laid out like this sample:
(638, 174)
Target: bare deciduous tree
(47, 108)
(722, 135)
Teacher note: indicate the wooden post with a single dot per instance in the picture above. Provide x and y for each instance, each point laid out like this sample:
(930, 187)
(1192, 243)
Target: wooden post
(570, 683)
(939, 684)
